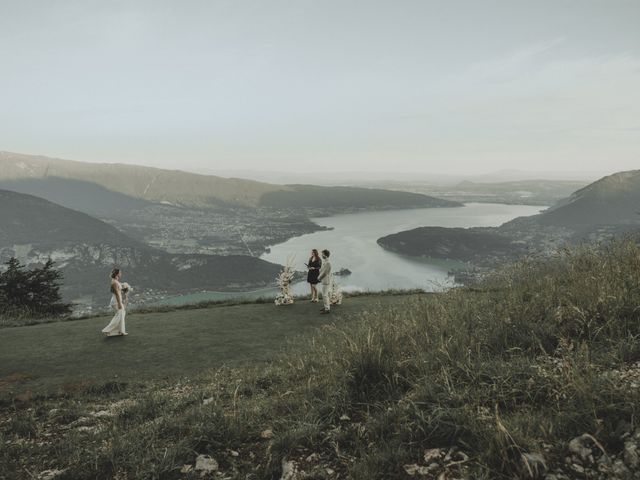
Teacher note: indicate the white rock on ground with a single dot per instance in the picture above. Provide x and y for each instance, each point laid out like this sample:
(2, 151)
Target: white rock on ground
(631, 457)
(433, 455)
(50, 474)
(102, 413)
(206, 464)
(290, 470)
(415, 469)
(314, 457)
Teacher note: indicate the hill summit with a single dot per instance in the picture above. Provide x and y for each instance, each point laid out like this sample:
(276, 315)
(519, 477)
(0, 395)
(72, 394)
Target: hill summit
(147, 183)
(614, 199)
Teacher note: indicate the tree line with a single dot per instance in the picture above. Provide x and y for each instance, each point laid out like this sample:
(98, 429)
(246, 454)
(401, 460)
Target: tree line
(31, 292)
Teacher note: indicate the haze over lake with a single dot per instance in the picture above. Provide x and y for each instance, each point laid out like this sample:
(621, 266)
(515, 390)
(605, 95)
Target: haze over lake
(352, 242)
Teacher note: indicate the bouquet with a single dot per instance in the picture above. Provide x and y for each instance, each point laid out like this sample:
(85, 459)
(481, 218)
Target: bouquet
(126, 290)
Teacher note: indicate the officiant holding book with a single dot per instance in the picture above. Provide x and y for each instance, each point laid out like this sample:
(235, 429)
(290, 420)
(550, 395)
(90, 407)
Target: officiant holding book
(313, 267)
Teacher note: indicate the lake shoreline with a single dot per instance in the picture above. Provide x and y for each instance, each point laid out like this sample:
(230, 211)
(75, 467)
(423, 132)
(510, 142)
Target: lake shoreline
(359, 232)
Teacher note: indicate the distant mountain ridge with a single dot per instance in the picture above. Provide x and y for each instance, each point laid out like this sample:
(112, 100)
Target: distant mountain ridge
(70, 182)
(349, 198)
(146, 183)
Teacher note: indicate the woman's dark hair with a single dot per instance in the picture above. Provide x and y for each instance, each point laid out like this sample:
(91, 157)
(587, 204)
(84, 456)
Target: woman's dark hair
(115, 272)
(314, 254)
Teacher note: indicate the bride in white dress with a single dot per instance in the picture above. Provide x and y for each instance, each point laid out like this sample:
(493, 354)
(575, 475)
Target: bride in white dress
(116, 326)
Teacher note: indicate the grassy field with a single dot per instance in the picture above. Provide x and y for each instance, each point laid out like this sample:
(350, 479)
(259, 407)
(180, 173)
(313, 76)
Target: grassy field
(67, 356)
(532, 374)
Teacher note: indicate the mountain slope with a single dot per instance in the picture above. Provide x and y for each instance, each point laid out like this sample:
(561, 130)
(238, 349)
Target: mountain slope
(612, 200)
(26, 219)
(70, 183)
(147, 183)
(79, 195)
(85, 249)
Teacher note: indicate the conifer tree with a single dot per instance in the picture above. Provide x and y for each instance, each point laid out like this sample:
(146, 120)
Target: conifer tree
(33, 292)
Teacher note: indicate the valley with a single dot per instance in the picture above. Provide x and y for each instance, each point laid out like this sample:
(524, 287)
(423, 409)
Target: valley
(172, 232)
(186, 213)
(215, 231)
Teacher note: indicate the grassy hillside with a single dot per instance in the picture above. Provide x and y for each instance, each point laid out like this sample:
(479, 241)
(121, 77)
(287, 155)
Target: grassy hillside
(162, 344)
(535, 372)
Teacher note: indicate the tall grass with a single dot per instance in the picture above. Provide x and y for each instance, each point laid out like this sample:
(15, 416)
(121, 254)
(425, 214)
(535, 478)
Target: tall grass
(518, 364)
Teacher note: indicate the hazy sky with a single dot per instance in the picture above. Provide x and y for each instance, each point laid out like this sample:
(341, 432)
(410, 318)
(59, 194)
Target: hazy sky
(431, 86)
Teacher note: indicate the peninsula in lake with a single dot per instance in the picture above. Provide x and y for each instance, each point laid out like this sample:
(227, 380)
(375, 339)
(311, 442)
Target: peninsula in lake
(599, 211)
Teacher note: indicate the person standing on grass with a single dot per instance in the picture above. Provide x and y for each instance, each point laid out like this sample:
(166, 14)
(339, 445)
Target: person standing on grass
(118, 301)
(312, 275)
(325, 278)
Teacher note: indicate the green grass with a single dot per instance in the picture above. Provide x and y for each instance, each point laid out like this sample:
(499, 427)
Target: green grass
(521, 364)
(54, 357)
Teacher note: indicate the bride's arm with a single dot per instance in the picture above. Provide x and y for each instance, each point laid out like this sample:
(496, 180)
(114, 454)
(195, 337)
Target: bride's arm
(119, 296)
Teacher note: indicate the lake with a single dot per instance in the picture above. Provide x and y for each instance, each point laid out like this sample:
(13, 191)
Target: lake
(352, 242)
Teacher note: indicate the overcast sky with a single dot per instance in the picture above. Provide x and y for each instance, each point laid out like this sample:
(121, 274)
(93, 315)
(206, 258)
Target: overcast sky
(428, 86)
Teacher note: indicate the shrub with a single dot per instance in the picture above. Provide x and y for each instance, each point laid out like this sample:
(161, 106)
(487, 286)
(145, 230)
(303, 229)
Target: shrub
(31, 293)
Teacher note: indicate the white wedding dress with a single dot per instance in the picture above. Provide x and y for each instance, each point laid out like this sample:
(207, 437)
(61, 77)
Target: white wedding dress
(116, 325)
